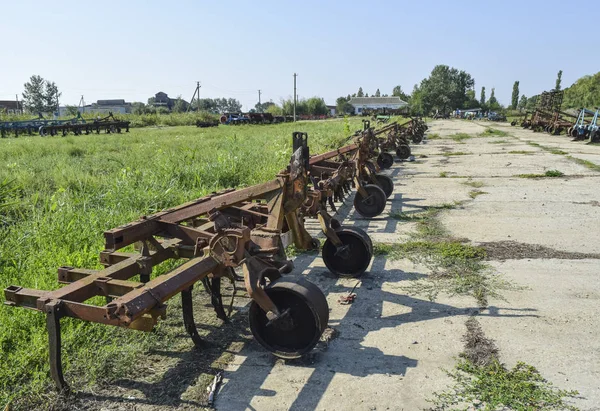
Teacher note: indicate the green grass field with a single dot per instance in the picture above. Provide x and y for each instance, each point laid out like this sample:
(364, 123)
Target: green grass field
(58, 195)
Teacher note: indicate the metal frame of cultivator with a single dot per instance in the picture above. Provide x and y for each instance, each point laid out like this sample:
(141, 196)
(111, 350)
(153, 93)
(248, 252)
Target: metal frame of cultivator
(108, 124)
(243, 228)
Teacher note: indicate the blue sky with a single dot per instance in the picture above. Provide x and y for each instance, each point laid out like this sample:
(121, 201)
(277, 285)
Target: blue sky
(133, 49)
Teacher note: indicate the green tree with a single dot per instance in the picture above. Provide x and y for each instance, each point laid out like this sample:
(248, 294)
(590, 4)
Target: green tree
(316, 106)
(275, 110)
(262, 107)
(522, 102)
(445, 89)
(40, 96)
(377, 93)
(515, 96)
(180, 105)
(585, 92)
(558, 80)
(72, 111)
(397, 91)
(493, 102)
(360, 92)
(151, 101)
(51, 96)
(138, 108)
(366, 94)
(343, 106)
(416, 101)
(482, 97)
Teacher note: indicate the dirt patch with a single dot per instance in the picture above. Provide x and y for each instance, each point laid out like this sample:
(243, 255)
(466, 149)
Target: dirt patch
(480, 350)
(513, 250)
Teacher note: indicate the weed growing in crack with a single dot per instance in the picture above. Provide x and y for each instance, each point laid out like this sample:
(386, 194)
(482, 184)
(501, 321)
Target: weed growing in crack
(474, 184)
(493, 132)
(475, 193)
(549, 173)
(457, 268)
(482, 382)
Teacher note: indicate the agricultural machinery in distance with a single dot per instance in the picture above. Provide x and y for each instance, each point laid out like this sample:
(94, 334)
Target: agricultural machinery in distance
(77, 125)
(582, 130)
(253, 118)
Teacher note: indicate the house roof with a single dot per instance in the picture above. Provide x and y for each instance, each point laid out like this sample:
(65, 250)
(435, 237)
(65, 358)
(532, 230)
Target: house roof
(360, 101)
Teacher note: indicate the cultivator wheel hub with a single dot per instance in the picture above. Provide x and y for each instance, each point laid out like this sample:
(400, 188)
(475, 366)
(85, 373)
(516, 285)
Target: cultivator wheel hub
(353, 257)
(372, 204)
(306, 316)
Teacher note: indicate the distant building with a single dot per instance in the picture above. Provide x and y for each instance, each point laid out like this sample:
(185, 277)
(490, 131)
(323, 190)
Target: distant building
(162, 99)
(11, 107)
(374, 103)
(332, 110)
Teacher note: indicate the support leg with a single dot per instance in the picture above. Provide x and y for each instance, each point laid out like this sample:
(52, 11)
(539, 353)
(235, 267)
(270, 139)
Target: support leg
(188, 317)
(53, 315)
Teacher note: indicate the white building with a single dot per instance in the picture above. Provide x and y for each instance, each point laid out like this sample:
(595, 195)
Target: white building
(374, 103)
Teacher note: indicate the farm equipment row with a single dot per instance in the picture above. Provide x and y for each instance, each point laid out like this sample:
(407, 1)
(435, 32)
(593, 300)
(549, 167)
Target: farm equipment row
(263, 118)
(245, 230)
(76, 125)
(549, 118)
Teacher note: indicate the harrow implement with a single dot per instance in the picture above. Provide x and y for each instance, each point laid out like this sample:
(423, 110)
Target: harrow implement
(245, 229)
(108, 124)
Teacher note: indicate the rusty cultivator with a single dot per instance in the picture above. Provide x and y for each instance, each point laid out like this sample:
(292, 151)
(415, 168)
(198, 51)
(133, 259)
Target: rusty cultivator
(245, 229)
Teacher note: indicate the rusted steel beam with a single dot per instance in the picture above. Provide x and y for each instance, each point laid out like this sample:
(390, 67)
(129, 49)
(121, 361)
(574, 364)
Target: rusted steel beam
(23, 297)
(138, 302)
(128, 234)
(333, 153)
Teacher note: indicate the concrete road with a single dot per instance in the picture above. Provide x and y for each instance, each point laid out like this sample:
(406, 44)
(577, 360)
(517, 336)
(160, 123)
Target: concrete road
(391, 348)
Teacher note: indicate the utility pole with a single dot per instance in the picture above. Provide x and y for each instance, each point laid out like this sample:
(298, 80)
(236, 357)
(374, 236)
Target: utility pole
(295, 75)
(197, 91)
(259, 101)
(82, 104)
(18, 109)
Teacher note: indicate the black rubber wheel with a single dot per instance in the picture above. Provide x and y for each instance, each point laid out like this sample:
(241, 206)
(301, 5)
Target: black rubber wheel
(385, 160)
(386, 184)
(43, 131)
(354, 257)
(297, 331)
(417, 138)
(373, 204)
(403, 151)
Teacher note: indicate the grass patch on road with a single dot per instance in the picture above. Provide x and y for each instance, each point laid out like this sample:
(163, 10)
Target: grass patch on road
(443, 174)
(476, 193)
(458, 268)
(459, 137)
(587, 164)
(498, 142)
(549, 173)
(474, 184)
(456, 153)
(558, 152)
(434, 136)
(489, 132)
(482, 382)
(521, 152)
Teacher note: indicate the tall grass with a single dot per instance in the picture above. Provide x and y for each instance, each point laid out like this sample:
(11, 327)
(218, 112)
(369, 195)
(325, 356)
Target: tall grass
(59, 194)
